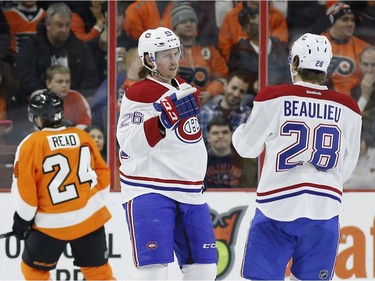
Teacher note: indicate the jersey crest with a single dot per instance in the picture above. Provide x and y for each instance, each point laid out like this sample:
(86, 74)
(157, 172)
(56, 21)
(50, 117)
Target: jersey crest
(189, 130)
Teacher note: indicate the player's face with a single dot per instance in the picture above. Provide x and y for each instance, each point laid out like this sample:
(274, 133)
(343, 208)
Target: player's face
(58, 29)
(60, 84)
(367, 64)
(234, 92)
(167, 62)
(98, 137)
(219, 137)
(344, 27)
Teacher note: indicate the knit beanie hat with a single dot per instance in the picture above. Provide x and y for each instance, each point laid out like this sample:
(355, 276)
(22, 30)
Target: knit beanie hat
(181, 13)
(338, 10)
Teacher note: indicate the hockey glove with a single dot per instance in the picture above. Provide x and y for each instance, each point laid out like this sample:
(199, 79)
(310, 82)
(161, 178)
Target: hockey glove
(169, 115)
(180, 105)
(187, 106)
(21, 227)
(173, 110)
(185, 90)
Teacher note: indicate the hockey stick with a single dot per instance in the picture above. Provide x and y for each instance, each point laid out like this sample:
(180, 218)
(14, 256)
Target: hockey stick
(7, 234)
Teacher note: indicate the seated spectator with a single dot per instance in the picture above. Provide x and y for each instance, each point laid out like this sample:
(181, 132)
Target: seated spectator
(202, 66)
(55, 44)
(128, 67)
(363, 92)
(343, 71)
(225, 168)
(229, 105)
(231, 31)
(76, 109)
(99, 44)
(22, 21)
(363, 176)
(133, 64)
(88, 19)
(99, 137)
(244, 55)
(142, 15)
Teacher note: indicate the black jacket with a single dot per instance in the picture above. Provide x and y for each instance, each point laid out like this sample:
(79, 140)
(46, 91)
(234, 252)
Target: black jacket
(37, 54)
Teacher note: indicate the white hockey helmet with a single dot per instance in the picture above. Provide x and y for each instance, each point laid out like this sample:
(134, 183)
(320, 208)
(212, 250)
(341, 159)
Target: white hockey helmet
(156, 40)
(314, 52)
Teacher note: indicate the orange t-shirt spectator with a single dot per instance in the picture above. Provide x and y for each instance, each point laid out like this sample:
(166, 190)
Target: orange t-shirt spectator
(231, 31)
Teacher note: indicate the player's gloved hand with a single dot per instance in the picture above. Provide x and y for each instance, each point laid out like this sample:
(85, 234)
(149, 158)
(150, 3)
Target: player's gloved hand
(186, 89)
(180, 105)
(187, 106)
(21, 227)
(169, 116)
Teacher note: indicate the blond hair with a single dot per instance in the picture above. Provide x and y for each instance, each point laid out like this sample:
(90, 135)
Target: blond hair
(56, 69)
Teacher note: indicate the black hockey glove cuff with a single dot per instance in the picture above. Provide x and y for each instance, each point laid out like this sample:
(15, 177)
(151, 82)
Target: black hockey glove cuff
(21, 227)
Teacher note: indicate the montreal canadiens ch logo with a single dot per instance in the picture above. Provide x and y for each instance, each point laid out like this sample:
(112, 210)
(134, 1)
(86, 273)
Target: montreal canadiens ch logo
(189, 130)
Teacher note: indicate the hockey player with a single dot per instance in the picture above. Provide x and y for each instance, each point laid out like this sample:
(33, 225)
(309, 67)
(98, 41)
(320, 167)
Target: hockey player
(59, 182)
(311, 137)
(163, 164)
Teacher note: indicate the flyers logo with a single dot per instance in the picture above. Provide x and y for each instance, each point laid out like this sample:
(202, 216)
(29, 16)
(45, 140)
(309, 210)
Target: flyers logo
(225, 227)
(189, 130)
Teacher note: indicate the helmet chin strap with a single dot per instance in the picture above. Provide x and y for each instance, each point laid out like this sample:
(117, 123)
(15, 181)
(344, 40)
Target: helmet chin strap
(155, 70)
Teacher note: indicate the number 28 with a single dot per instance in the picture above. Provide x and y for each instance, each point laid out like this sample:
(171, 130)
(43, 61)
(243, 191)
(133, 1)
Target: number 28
(325, 146)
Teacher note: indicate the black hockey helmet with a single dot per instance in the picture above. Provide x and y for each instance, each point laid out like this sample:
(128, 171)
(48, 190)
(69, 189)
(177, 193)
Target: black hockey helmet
(48, 105)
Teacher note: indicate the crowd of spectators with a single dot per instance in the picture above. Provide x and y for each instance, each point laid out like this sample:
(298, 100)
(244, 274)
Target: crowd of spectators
(62, 46)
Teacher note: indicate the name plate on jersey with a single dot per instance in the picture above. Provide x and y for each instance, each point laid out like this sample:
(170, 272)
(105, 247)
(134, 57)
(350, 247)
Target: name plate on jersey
(63, 141)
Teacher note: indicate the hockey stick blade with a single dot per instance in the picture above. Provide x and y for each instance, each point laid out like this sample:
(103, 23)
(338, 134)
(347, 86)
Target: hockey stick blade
(7, 234)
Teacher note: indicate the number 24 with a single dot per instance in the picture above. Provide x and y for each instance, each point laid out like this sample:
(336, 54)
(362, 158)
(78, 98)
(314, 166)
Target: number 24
(59, 190)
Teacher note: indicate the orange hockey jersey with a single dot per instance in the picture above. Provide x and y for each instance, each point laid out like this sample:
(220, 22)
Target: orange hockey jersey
(344, 68)
(60, 180)
(21, 27)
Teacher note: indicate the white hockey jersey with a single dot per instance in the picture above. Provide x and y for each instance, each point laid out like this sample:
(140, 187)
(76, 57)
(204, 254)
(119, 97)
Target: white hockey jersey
(173, 165)
(311, 137)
